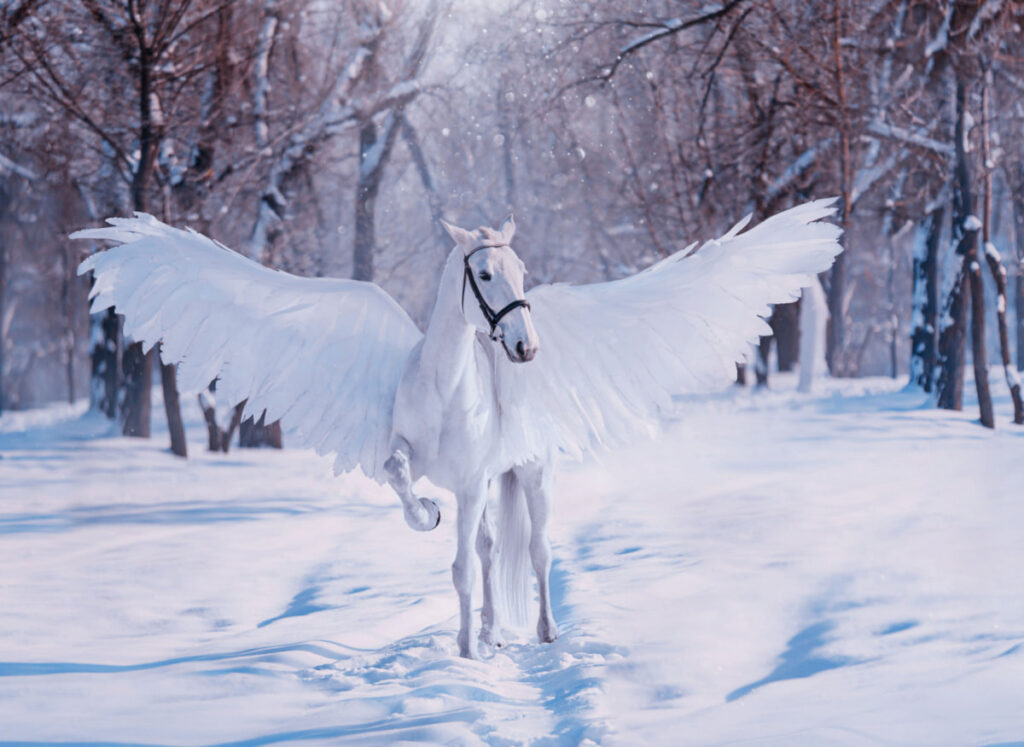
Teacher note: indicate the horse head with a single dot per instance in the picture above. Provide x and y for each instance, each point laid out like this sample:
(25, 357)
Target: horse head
(493, 278)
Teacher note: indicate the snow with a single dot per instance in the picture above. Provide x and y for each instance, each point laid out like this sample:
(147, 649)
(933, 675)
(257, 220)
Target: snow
(972, 223)
(1012, 378)
(835, 568)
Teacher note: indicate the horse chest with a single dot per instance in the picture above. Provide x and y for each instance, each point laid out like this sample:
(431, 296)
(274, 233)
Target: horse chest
(451, 423)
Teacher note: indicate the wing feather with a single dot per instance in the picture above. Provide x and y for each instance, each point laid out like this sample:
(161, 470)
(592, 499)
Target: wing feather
(324, 355)
(612, 355)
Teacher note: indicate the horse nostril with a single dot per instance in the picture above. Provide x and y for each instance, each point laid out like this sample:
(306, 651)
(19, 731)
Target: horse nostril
(521, 349)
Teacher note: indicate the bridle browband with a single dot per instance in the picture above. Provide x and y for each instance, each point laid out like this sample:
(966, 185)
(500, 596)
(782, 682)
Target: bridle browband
(492, 316)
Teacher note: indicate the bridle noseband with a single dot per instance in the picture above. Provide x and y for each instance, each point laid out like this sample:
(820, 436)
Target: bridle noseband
(492, 316)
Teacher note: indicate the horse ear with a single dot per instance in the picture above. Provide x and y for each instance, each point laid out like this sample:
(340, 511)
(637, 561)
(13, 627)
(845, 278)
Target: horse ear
(508, 229)
(465, 239)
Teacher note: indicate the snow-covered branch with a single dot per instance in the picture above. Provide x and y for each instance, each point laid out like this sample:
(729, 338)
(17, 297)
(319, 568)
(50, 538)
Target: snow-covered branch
(893, 132)
(803, 162)
(668, 28)
(9, 166)
(261, 80)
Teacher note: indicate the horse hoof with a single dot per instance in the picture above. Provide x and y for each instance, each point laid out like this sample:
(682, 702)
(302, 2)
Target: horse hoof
(492, 639)
(432, 507)
(433, 514)
(547, 632)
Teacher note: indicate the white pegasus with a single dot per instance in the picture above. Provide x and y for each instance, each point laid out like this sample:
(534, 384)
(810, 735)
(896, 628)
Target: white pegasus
(501, 383)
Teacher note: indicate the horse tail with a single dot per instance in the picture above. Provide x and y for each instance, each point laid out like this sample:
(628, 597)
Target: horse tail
(513, 551)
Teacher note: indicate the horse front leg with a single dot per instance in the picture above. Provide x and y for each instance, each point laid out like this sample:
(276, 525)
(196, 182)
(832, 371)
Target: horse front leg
(422, 514)
(490, 617)
(471, 508)
(537, 487)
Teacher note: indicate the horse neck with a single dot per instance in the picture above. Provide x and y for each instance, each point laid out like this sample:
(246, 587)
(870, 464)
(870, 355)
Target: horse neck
(448, 344)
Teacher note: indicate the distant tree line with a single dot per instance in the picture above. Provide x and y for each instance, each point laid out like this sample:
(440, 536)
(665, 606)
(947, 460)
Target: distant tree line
(327, 139)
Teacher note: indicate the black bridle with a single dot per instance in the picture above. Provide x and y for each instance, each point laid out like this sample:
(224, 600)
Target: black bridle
(492, 316)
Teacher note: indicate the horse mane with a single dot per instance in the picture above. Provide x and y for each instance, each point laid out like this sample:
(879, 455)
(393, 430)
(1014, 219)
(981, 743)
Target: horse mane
(489, 234)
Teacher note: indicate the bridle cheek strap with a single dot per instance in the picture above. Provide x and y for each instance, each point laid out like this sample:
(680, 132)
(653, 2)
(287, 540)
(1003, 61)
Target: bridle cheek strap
(492, 316)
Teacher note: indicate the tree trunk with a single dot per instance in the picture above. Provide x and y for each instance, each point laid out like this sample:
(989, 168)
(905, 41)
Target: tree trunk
(925, 292)
(219, 439)
(138, 381)
(433, 198)
(978, 337)
(138, 368)
(952, 345)
(374, 151)
(366, 197)
(236, 420)
(1019, 306)
(172, 406)
(785, 324)
(995, 265)
(213, 431)
(836, 320)
(837, 285)
(67, 293)
(3, 306)
(968, 287)
(1018, 231)
(255, 433)
(106, 371)
(764, 351)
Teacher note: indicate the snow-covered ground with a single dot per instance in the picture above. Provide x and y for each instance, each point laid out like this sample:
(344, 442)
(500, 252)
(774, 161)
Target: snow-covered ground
(840, 568)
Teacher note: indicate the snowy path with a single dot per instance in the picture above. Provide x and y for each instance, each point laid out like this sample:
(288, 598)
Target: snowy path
(782, 569)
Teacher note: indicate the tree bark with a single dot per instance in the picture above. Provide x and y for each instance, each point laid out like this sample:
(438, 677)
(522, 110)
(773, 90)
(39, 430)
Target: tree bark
(995, 266)
(106, 371)
(785, 324)
(764, 351)
(213, 431)
(978, 337)
(1018, 218)
(952, 345)
(138, 381)
(374, 151)
(219, 439)
(952, 336)
(366, 196)
(254, 433)
(968, 288)
(172, 406)
(3, 306)
(925, 292)
(837, 284)
(138, 368)
(1019, 305)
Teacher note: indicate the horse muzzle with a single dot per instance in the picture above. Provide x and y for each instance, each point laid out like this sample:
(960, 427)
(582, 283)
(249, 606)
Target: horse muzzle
(521, 353)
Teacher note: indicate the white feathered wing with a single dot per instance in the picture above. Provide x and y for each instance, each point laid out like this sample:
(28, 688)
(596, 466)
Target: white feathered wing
(613, 354)
(323, 354)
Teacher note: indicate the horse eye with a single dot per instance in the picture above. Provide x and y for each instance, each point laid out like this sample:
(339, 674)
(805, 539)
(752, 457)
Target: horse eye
(485, 275)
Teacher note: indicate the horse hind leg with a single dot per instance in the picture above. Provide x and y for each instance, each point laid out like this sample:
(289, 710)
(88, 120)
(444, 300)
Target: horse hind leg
(422, 514)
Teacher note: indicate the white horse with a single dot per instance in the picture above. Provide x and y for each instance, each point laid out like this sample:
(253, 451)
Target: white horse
(501, 383)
